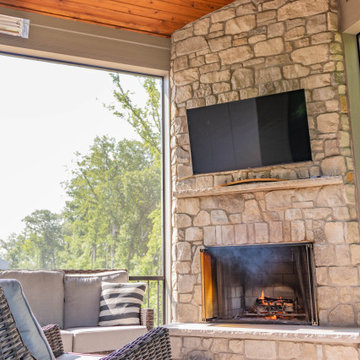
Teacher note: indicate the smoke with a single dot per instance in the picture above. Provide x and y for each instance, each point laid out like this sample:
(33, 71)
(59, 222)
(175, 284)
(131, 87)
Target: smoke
(252, 259)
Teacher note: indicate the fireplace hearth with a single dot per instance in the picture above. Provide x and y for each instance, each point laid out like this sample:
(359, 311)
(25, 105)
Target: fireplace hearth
(259, 284)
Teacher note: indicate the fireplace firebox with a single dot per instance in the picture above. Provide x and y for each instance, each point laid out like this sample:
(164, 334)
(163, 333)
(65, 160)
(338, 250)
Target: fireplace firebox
(259, 284)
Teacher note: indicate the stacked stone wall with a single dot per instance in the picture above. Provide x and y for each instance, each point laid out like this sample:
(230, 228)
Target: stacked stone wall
(253, 48)
(318, 214)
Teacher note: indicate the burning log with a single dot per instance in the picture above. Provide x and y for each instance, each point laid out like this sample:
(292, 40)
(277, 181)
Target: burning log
(269, 306)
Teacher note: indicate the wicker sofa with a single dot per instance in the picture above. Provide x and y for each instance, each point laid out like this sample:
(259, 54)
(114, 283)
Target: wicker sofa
(71, 300)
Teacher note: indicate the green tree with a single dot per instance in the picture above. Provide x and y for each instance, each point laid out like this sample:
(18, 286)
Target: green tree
(13, 251)
(150, 263)
(147, 124)
(113, 190)
(145, 121)
(43, 232)
(40, 244)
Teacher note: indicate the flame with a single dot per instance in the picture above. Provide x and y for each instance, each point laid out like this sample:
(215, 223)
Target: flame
(273, 302)
(262, 298)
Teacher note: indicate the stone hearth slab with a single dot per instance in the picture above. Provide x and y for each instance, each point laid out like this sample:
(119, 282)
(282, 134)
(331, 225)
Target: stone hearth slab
(294, 333)
(262, 342)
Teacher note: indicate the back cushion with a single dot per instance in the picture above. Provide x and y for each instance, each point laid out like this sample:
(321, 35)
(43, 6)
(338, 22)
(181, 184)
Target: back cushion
(29, 329)
(82, 296)
(13, 344)
(44, 291)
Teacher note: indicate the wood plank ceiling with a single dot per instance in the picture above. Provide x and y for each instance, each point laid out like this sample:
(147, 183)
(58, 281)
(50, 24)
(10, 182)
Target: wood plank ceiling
(156, 17)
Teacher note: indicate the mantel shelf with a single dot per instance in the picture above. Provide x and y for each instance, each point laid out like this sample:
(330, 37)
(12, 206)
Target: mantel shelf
(262, 186)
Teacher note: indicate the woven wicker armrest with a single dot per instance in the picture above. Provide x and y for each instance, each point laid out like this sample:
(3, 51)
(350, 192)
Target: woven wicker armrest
(154, 345)
(53, 336)
(147, 317)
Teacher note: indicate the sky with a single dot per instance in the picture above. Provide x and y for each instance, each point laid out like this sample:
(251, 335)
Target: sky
(49, 111)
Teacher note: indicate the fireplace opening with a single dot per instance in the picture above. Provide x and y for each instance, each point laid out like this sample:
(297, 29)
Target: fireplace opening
(259, 284)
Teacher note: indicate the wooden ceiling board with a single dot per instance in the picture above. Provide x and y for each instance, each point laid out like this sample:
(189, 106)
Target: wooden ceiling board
(155, 17)
(115, 19)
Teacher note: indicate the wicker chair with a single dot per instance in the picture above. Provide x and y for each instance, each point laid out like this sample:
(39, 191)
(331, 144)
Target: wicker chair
(153, 345)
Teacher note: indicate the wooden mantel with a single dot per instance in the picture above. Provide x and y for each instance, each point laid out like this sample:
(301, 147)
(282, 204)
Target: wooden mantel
(259, 186)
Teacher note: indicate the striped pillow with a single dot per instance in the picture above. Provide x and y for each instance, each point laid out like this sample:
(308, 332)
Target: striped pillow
(120, 303)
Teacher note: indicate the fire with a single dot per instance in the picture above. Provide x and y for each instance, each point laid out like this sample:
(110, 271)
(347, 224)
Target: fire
(273, 308)
(262, 298)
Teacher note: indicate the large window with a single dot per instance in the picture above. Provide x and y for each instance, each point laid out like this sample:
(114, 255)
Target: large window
(81, 168)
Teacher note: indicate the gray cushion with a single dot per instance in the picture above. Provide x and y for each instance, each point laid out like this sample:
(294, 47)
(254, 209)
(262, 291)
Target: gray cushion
(29, 329)
(100, 339)
(82, 296)
(44, 290)
(67, 340)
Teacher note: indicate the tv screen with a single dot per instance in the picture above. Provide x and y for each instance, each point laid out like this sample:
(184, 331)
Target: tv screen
(249, 133)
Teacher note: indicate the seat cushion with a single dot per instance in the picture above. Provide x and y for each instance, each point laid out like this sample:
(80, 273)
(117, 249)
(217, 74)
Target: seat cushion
(44, 290)
(67, 339)
(99, 339)
(74, 356)
(120, 303)
(27, 325)
(82, 296)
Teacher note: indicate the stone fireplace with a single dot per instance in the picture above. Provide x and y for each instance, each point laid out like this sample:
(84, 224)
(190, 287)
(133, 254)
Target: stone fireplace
(310, 210)
(259, 284)
(248, 49)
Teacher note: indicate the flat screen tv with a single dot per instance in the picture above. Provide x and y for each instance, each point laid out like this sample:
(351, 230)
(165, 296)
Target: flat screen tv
(262, 131)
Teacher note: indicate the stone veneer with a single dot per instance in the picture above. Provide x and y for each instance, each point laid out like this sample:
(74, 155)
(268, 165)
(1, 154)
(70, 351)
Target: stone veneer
(247, 49)
(233, 349)
(204, 342)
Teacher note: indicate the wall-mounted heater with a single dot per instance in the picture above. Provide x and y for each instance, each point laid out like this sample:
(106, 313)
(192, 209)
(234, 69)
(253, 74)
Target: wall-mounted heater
(14, 26)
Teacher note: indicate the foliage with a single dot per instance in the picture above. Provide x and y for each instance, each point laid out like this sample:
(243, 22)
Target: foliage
(113, 190)
(43, 232)
(39, 245)
(150, 263)
(15, 252)
(145, 121)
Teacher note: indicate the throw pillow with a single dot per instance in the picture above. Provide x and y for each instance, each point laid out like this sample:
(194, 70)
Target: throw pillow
(120, 303)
